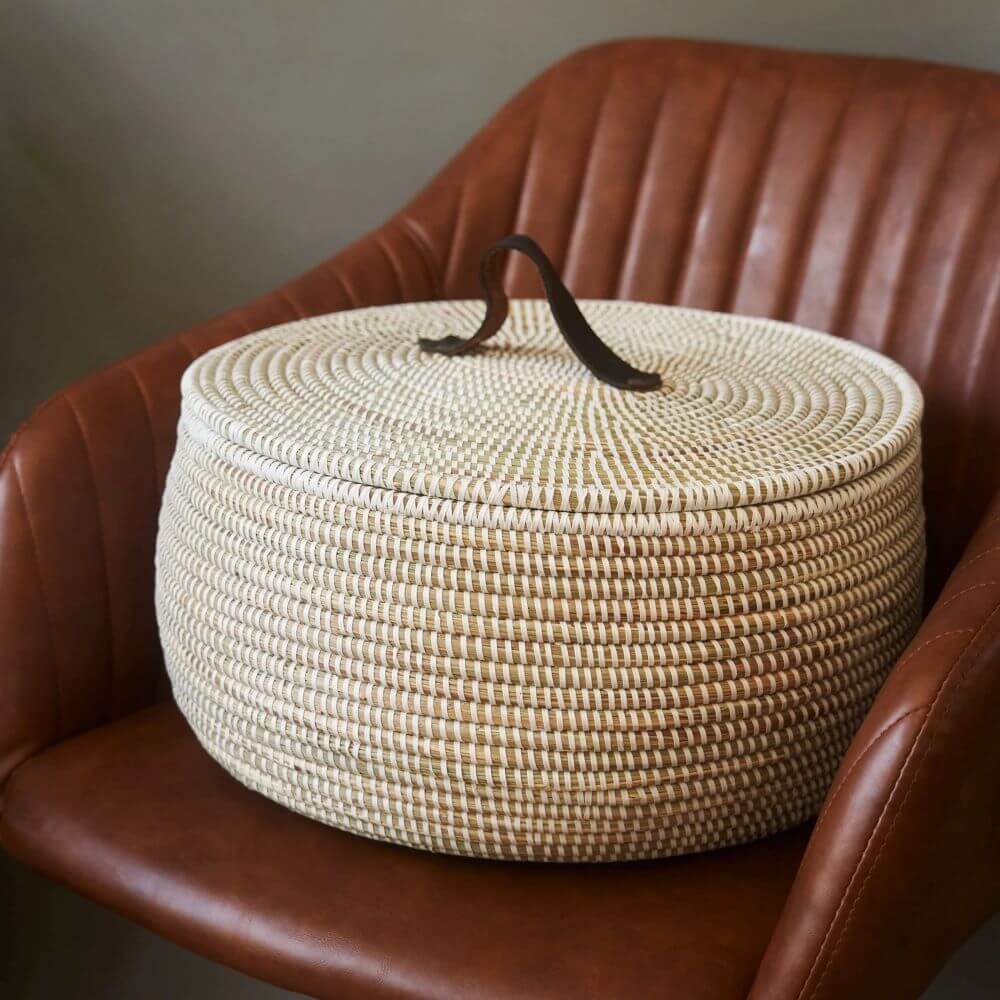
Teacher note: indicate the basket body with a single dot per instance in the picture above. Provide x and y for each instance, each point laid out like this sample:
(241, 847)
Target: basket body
(488, 606)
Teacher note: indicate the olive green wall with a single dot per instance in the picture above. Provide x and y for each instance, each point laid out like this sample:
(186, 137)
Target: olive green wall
(162, 160)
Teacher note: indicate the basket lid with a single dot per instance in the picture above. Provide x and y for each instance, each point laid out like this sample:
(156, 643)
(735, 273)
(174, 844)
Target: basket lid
(750, 411)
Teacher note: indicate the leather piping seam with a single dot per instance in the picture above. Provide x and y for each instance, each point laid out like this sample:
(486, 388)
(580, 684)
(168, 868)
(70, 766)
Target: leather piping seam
(102, 535)
(915, 749)
(43, 600)
(967, 590)
(975, 559)
(414, 232)
(788, 303)
(394, 269)
(60, 395)
(148, 412)
(877, 738)
(890, 725)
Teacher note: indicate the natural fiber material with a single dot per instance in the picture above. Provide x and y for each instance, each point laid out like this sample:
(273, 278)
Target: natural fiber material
(489, 605)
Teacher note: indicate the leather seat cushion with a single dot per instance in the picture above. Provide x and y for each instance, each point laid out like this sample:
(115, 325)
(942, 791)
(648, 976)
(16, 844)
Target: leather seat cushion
(137, 816)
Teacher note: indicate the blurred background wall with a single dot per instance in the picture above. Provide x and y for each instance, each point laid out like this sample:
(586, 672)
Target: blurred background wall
(163, 160)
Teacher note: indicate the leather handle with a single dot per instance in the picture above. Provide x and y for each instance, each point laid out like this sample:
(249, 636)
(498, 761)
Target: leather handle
(576, 331)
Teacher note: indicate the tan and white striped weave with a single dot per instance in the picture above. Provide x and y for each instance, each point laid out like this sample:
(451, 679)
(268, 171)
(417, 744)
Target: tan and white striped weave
(489, 605)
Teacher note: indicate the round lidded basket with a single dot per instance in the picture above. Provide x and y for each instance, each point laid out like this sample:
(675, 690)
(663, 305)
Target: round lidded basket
(497, 604)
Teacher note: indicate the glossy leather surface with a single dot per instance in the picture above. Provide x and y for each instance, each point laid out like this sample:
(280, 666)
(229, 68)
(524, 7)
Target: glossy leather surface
(137, 815)
(858, 196)
(902, 864)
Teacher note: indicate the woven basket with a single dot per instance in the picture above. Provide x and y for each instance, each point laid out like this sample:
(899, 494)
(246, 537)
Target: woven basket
(485, 602)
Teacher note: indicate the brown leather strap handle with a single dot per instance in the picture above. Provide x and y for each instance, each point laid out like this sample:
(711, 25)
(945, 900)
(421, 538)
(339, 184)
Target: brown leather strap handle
(585, 344)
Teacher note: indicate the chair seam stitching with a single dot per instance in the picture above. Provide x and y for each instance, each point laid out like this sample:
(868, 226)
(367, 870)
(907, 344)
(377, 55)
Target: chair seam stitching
(962, 593)
(529, 155)
(284, 293)
(456, 225)
(613, 70)
(677, 283)
(643, 178)
(113, 666)
(856, 264)
(827, 962)
(412, 230)
(44, 601)
(147, 407)
(791, 295)
(868, 746)
(975, 559)
(397, 274)
(774, 124)
(963, 272)
(924, 215)
(352, 301)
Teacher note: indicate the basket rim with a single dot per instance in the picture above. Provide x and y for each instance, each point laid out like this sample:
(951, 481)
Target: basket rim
(318, 470)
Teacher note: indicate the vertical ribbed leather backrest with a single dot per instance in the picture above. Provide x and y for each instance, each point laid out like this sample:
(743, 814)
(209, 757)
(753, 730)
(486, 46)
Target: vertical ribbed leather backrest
(857, 196)
(80, 489)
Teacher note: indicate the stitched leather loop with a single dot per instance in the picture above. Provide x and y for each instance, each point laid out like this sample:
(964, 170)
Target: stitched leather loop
(576, 331)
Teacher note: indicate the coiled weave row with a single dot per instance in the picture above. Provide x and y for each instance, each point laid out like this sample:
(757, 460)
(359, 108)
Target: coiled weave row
(490, 606)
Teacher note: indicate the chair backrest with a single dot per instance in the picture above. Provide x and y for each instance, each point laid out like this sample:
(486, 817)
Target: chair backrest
(857, 196)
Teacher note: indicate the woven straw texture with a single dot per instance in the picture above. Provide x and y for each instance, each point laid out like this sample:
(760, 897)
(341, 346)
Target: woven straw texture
(488, 605)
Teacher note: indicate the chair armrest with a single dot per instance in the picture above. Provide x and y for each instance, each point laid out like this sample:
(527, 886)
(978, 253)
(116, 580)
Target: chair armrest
(80, 488)
(902, 865)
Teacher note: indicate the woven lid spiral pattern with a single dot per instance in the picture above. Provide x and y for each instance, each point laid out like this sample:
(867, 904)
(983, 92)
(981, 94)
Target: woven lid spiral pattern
(489, 605)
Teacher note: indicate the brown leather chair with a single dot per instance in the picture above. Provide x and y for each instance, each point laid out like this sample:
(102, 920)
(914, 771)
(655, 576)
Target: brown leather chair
(854, 195)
